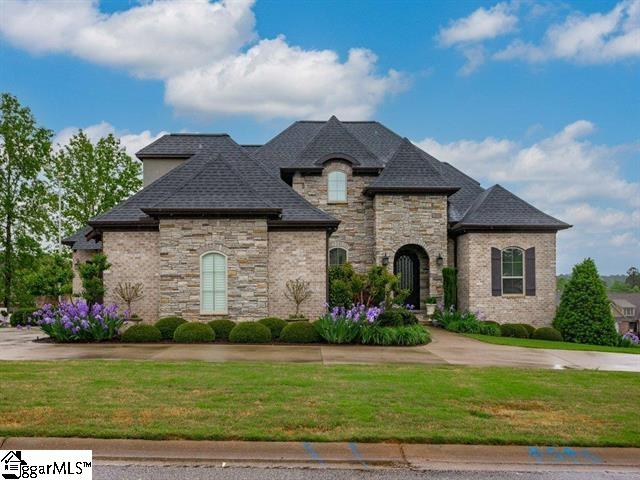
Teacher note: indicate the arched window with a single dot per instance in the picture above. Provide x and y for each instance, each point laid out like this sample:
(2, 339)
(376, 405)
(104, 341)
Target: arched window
(337, 187)
(213, 283)
(512, 271)
(337, 256)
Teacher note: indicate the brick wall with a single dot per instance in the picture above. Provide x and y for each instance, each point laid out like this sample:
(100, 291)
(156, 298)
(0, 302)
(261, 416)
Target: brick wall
(413, 220)
(134, 258)
(243, 241)
(355, 233)
(474, 277)
(297, 255)
(79, 256)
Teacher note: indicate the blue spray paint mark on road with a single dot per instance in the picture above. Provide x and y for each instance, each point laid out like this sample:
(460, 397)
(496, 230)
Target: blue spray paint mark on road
(564, 455)
(312, 452)
(535, 453)
(357, 454)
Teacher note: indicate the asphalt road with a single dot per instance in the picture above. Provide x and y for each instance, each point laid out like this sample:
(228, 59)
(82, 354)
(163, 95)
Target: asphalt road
(144, 472)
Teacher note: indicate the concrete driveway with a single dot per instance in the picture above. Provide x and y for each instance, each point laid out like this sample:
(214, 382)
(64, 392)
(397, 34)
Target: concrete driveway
(446, 348)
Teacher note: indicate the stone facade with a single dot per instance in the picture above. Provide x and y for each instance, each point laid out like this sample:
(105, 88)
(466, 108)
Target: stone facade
(474, 277)
(79, 256)
(134, 258)
(419, 220)
(297, 254)
(355, 233)
(245, 244)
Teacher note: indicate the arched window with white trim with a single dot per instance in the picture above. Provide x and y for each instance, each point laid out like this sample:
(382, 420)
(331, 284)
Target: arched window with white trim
(213, 283)
(512, 271)
(337, 187)
(337, 256)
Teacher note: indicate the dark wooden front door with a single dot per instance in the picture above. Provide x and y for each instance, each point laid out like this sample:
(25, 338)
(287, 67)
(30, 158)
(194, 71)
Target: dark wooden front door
(407, 266)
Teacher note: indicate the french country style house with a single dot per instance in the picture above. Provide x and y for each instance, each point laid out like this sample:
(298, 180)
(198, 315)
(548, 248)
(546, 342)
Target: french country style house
(219, 228)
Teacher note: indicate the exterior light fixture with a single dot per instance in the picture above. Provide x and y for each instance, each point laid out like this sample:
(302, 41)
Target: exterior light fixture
(385, 259)
(439, 260)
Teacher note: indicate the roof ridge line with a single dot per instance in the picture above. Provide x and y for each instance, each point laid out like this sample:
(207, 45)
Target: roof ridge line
(244, 182)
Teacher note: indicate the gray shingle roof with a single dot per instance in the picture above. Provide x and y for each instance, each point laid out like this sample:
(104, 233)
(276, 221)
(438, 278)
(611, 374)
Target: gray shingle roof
(497, 208)
(78, 241)
(271, 190)
(411, 169)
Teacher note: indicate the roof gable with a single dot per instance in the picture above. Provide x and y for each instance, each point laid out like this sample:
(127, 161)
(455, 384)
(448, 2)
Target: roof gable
(497, 208)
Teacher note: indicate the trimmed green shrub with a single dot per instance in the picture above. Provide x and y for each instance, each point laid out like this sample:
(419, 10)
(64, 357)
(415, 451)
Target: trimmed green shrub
(300, 332)
(168, 325)
(529, 328)
(547, 333)
(450, 286)
(490, 328)
(250, 332)
(409, 335)
(222, 327)
(141, 333)
(344, 285)
(584, 314)
(22, 317)
(194, 332)
(397, 316)
(513, 330)
(406, 335)
(274, 324)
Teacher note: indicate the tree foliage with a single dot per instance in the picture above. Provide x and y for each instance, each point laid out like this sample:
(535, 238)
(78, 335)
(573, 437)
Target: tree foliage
(25, 150)
(92, 177)
(584, 314)
(91, 274)
(633, 277)
(377, 287)
(51, 276)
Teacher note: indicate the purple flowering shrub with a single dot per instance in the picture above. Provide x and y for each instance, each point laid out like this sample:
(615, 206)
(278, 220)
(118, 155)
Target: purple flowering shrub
(343, 325)
(629, 339)
(77, 321)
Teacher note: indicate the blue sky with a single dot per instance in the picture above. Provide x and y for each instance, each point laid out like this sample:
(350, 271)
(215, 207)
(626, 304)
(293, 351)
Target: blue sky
(540, 97)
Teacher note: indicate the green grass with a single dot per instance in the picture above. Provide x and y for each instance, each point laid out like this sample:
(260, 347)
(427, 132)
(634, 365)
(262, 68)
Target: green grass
(532, 343)
(435, 404)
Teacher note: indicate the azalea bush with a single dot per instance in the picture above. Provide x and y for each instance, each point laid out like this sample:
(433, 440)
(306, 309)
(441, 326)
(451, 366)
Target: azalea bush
(79, 322)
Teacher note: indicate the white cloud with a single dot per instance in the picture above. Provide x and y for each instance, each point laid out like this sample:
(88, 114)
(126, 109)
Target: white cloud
(204, 53)
(153, 39)
(475, 58)
(274, 79)
(482, 24)
(569, 177)
(132, 142)
(586, 39)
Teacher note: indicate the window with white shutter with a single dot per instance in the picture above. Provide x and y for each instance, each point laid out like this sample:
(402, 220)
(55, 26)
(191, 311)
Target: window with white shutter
(213, 283)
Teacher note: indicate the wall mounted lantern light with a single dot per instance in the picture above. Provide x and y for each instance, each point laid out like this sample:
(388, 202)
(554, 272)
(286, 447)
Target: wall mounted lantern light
(385, 259)
(439, 260)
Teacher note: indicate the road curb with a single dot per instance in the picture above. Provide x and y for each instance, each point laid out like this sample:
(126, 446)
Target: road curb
(341, 454)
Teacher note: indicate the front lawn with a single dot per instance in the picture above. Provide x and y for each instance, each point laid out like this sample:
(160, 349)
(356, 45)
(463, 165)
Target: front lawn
(532, 343)
(438, 404)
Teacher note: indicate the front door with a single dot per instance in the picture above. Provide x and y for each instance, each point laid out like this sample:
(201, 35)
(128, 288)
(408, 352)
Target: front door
(407, 266)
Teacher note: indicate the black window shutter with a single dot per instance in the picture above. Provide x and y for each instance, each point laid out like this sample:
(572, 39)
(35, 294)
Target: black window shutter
(530, 271)
(496, 272)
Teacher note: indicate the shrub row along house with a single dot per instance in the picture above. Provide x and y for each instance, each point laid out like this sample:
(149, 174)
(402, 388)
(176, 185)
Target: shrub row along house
(219, 228)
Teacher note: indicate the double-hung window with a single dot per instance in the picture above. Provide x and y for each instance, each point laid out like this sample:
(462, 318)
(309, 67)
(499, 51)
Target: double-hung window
(213, 283)
(337, 187)
(512, 271)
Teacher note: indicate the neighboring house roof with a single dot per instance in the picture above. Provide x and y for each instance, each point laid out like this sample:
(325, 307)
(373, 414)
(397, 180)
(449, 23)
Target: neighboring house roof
(412, 170)
(625, 300)
(78, 241)
(498, 208)
(260, 188)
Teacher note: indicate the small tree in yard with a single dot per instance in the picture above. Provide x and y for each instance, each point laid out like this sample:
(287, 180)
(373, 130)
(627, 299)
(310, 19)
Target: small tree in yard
(91, 274)
(129, 293)
(298, 292)
(584, 314)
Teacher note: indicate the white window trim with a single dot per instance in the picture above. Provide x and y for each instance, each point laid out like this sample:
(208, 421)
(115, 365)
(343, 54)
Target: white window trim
(226, 285)
(346, 187)
(502, 277)
(346, 255)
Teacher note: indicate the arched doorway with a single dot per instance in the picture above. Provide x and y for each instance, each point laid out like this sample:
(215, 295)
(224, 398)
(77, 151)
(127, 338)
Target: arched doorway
(411, 264)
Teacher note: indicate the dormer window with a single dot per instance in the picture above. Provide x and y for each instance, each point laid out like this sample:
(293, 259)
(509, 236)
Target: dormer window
(629, 311)
(337, 187)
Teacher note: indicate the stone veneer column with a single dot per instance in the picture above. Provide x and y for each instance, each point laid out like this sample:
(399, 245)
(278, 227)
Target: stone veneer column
(405, 219)
(134, 258)
(292, 255)
(355, 233)
(474, 277)
(243, 241)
